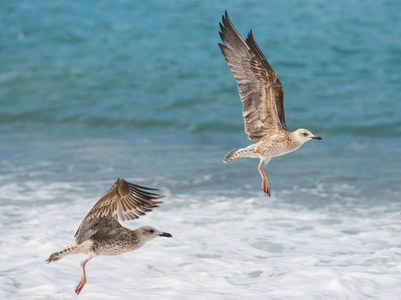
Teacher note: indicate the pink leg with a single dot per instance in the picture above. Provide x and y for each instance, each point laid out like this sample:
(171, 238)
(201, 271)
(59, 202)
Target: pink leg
(267, 184)
(263, 178)
(81, 284)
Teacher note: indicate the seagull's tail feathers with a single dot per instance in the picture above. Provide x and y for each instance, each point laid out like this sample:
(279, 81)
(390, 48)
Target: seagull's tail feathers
(238, 153)
(72, 249)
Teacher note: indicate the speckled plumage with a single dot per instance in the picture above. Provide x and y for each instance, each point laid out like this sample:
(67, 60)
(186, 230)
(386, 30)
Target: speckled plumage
(261, 94)
(100, 233)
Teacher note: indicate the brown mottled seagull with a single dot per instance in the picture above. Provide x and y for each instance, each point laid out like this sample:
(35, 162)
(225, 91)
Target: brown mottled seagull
(261, 94)
(100, 233)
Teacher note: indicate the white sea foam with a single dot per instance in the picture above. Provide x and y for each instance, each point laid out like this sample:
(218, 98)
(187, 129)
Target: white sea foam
(222, 248)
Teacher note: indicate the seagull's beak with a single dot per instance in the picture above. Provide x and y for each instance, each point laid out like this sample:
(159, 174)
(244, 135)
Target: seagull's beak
(165, 234)
(316, 137)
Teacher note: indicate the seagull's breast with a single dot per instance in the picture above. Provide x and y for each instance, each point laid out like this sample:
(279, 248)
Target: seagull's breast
(274, 145)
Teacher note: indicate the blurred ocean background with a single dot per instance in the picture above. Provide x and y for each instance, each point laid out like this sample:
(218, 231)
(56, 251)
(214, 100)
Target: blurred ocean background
(95, 90)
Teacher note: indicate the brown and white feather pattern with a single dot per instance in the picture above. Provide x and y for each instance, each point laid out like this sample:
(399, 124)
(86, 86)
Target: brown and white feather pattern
(259, 88)
(123, 200)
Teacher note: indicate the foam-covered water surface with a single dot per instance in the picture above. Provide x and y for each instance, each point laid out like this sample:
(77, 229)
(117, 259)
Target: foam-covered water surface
(222, 247)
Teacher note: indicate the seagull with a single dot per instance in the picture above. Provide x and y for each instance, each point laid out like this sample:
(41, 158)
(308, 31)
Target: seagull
(261, 94)
(100, 233)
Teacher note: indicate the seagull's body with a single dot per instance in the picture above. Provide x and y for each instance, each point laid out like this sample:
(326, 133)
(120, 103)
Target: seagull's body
(262, 98)
(100, 233)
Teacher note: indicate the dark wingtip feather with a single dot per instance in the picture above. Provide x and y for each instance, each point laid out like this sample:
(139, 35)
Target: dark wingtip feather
(249, 37)
(144, 187)
(225, 18)
(221, 46)
(222, 36)
(221, 27)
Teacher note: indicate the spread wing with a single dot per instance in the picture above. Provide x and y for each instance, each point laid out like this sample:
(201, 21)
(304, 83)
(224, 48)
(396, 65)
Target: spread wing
(123, 200)
(259, 88)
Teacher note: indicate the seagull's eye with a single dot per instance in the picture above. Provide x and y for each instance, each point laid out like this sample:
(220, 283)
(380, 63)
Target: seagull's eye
(152, 231)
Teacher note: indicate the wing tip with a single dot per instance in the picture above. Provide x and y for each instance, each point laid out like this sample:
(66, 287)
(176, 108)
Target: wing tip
(225, 20)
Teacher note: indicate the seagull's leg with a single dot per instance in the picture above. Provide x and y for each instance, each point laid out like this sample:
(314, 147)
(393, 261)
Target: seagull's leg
(81, 284)
(267, 182)
(261, 174)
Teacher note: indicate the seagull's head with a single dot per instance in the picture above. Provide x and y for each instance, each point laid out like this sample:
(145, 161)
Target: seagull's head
(149, 233)
(304, 135)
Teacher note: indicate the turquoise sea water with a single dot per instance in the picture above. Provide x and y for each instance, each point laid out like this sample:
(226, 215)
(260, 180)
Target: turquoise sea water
(93, 91)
